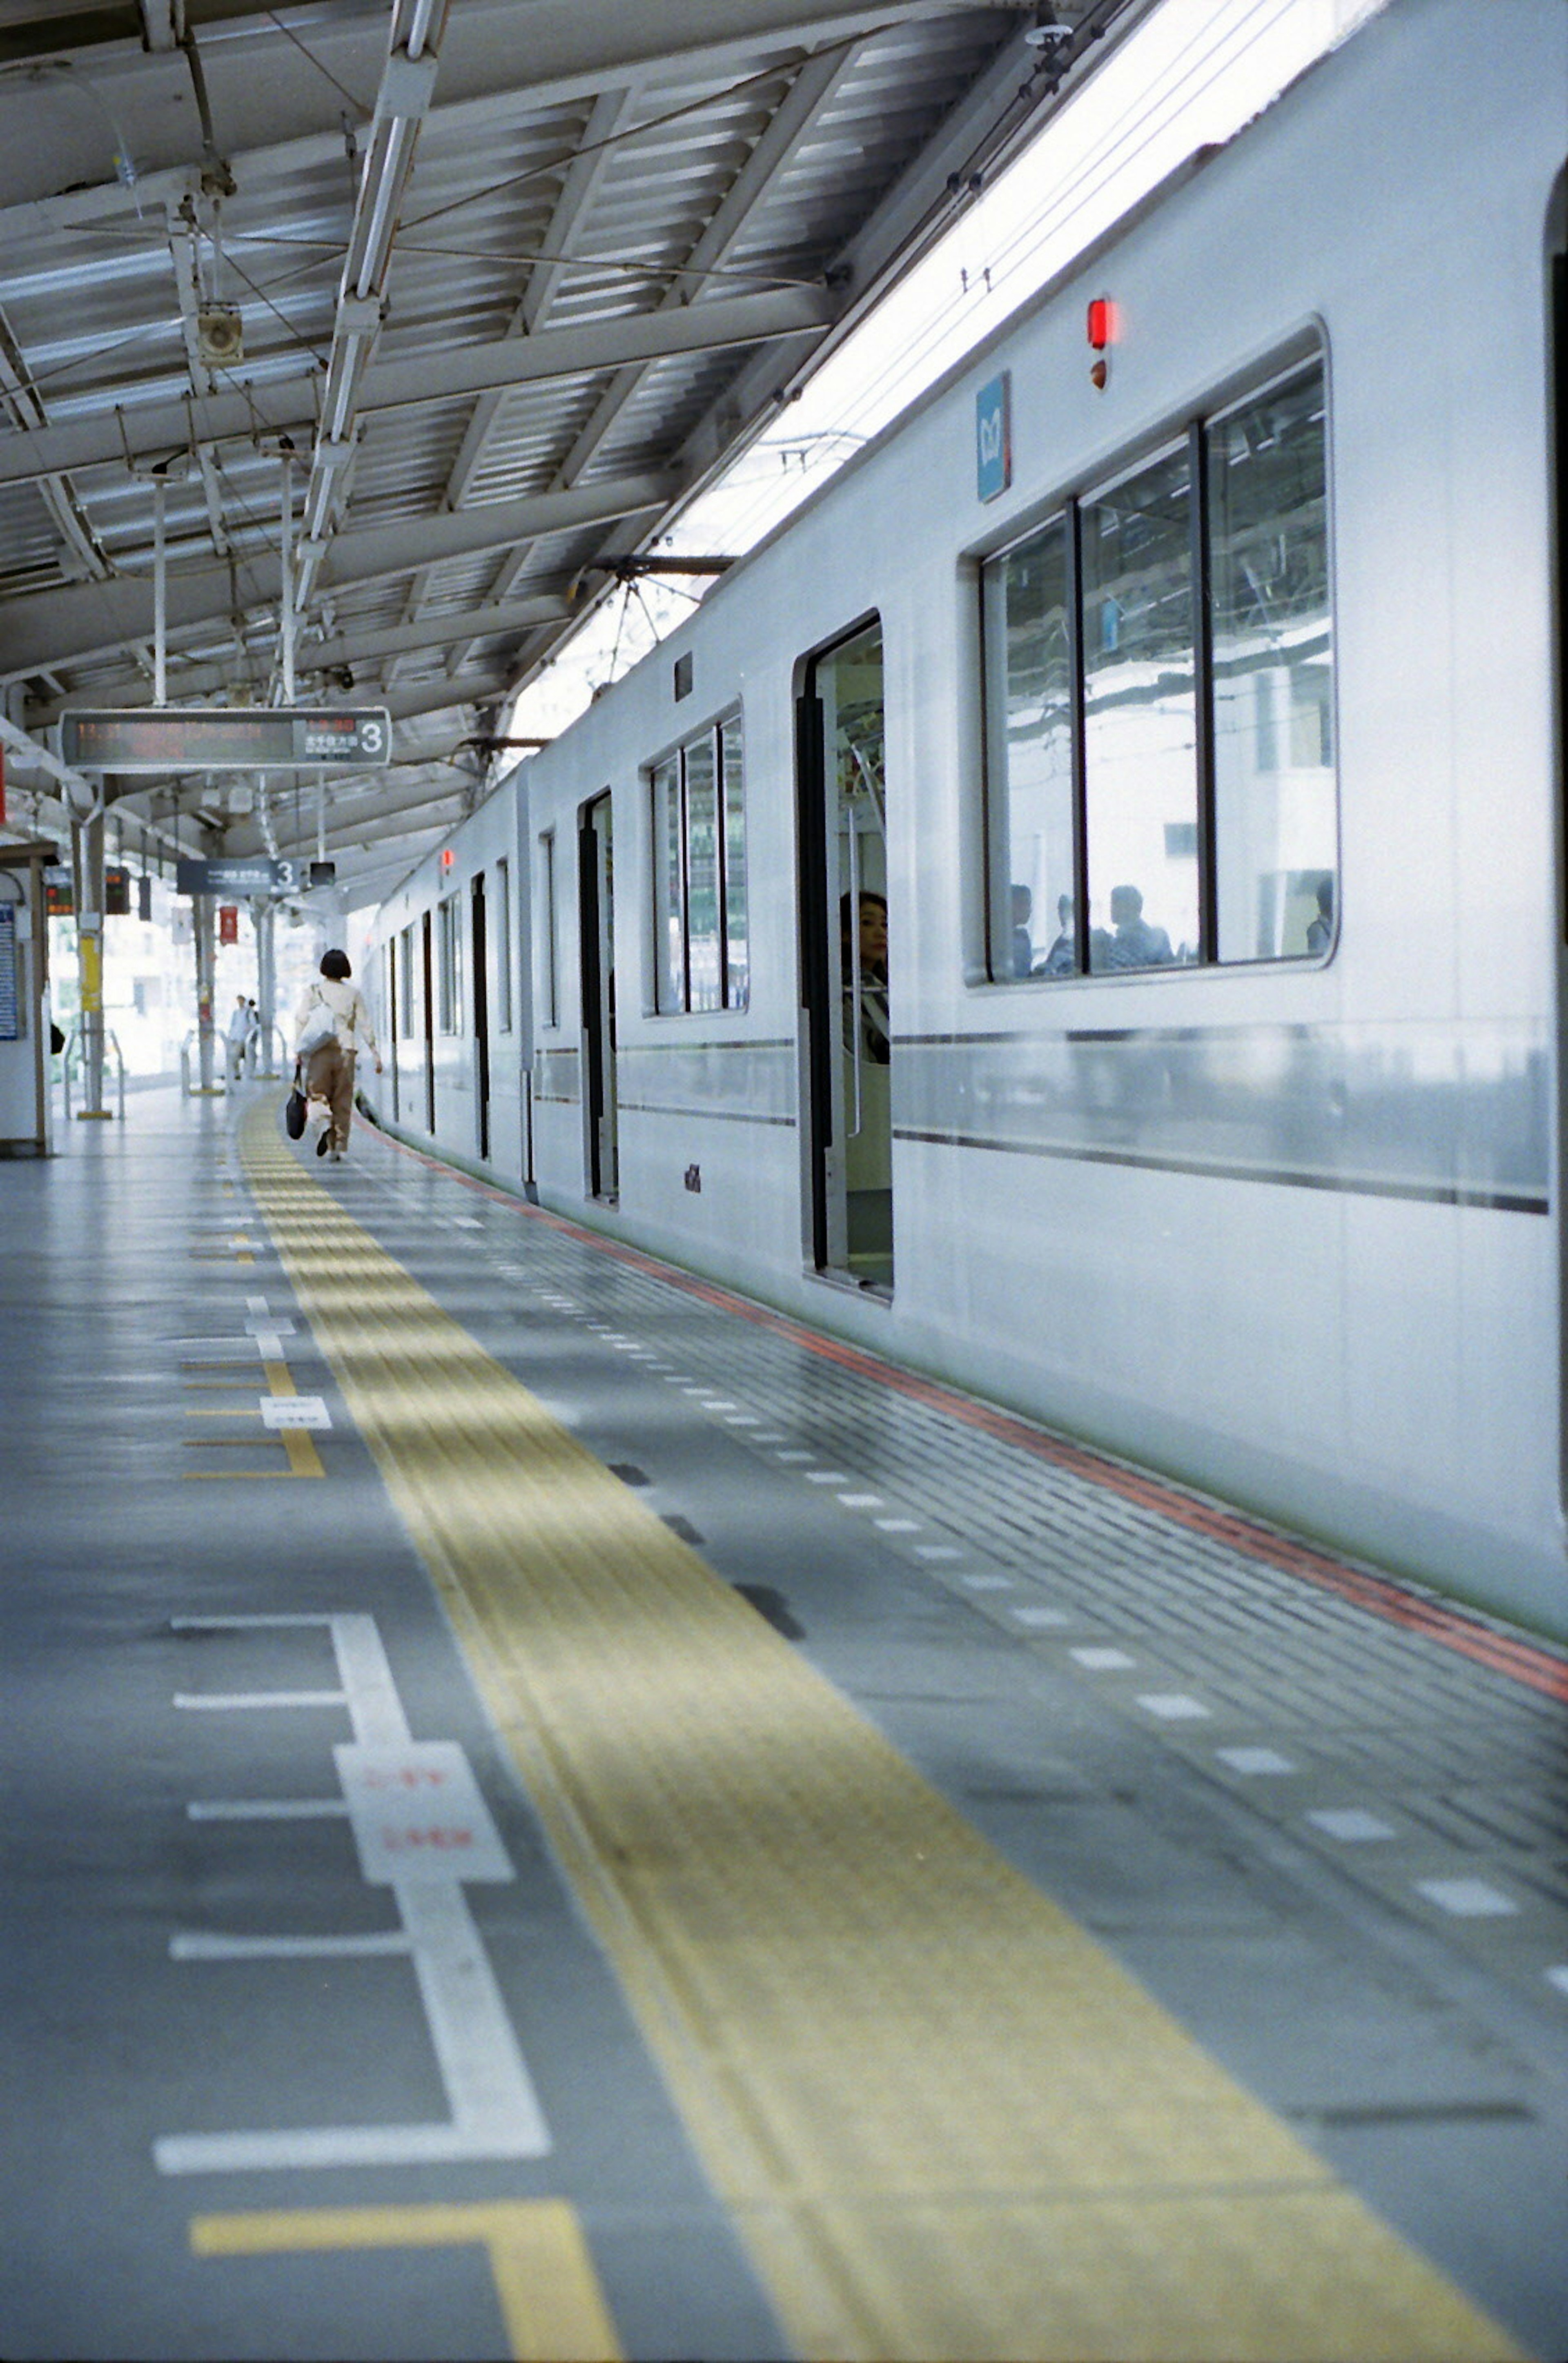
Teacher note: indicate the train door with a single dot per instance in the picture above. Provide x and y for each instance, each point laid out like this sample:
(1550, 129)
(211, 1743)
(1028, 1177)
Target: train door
(427, 956)
(597, 937)
(843, 905)
(481, 1013)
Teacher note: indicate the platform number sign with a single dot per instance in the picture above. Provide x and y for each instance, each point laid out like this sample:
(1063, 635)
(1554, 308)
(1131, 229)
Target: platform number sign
(993, 437)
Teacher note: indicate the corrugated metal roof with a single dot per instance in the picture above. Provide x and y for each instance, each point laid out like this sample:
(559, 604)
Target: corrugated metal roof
(362, 199)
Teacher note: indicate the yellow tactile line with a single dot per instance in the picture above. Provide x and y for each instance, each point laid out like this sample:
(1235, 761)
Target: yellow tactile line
(947, 2125)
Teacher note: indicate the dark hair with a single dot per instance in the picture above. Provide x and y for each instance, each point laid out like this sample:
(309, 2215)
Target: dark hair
(336, 965)
(847, 904)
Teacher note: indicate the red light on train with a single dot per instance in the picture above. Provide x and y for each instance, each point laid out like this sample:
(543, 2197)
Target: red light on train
(1102, 323)
(448, 856)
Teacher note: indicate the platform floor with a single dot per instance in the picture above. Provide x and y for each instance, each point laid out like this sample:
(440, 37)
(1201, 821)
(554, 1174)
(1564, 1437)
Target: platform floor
(552, 1813)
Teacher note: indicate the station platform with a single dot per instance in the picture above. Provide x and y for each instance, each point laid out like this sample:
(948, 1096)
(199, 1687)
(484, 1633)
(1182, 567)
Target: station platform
(554, 1812)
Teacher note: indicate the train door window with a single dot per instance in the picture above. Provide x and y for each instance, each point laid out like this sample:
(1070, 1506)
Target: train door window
(407, 982)
(501, 930)
(844, 960)
(1030, 669)
(1140, 717)
(697, 809)
(428, 961)
(480, 947)
(1275, 837)
(449, 968)
(596, 871)
(549, 970)
(395, 960)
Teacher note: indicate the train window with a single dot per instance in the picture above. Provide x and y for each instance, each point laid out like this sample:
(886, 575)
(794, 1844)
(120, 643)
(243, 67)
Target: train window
(449, 973)
(1168, 756)
(549, 961)
(1274, 801)
(1030, 783)
(501, 928)
(736, 956)
(698, 833)
(1140, 718)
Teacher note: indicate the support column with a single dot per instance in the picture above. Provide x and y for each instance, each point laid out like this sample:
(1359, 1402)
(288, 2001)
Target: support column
(204, 909)
(264, 914)
(87, 862)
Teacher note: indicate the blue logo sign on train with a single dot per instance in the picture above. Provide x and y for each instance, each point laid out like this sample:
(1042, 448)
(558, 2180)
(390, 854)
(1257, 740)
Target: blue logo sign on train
(993, 439)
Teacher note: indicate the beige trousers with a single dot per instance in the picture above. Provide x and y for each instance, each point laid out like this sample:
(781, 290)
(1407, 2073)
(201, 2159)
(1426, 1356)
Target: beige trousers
(329, 1076)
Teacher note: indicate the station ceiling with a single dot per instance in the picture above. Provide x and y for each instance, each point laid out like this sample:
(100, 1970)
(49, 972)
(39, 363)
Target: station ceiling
(406, 328)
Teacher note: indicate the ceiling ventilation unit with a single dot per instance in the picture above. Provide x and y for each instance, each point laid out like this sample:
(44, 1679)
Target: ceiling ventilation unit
(220, 335)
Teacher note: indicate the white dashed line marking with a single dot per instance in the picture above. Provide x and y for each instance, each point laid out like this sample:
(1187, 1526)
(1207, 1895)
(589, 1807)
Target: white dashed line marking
(898, 1525)
(1173, 1707)
(1102, 1661)
(987, 1582)
(1558, 1976)
(1254, 1760)
(1350, 1822)
(1040, 1616)
(861, 1501)
(1467, 1899)
(826, 1476)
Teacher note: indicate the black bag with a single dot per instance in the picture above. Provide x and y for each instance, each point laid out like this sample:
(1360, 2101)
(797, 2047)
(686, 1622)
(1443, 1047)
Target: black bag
(294, 1111)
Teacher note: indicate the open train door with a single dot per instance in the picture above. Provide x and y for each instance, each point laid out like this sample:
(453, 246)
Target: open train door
(847, 1041)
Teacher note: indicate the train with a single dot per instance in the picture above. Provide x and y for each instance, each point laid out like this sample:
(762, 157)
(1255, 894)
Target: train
(1079, 910)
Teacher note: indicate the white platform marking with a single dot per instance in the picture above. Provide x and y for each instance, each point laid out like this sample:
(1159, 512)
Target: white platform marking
(1558, 1976)
(827, 1476)
(1251, 1761)
(198, 1946)
(936, 1550)
(987, 1582)
(1352, 1823)
(897, 1525)
(1173, 1707)
(268, 1809)
(1040, 1617)
(495, 2110)
(1467, 1899)
(237, 1702)
(861, 1501)
(296, 1411)
(1101, 1661)
(418, 1814)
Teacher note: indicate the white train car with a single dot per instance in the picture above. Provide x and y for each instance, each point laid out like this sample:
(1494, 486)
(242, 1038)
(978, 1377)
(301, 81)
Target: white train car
(1202, 729)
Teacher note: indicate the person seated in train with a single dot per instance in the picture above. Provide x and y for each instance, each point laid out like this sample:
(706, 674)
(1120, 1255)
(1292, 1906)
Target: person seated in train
(331, 1025)
(875, 1038)
(1061, 959)
(1133, 943)
(1023, 943)
(1320, 930)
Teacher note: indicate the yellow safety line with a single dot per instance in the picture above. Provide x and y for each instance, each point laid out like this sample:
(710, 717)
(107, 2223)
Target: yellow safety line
(304, 1460)
(945, 2121)
(551, 2301)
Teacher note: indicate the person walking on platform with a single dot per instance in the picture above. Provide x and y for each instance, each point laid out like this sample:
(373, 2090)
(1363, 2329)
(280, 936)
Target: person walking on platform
(237, 1035)
(331, 1025)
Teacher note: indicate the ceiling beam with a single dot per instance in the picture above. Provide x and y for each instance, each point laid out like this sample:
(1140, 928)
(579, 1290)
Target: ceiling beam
(93, 619)
(443, 629)
(146, 433)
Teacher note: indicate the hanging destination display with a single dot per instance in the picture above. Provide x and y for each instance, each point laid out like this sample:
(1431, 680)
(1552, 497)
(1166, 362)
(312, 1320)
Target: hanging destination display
(224, 737)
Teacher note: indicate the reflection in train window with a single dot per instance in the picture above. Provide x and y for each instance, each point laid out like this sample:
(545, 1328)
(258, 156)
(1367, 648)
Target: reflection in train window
(1273, 737)
(1159, 715)
(1140, 718)
(405, 982)
(698, 825)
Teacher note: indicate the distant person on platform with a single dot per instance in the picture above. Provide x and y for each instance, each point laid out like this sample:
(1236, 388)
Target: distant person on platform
(331, 1025)
(236, 1033)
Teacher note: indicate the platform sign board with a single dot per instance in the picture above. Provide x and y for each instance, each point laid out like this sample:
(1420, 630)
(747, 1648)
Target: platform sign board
(224, 737)
(993, 437)
(251, 875)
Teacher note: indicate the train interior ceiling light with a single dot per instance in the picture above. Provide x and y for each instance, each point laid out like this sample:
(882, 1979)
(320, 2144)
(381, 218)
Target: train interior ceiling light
(369, 345)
